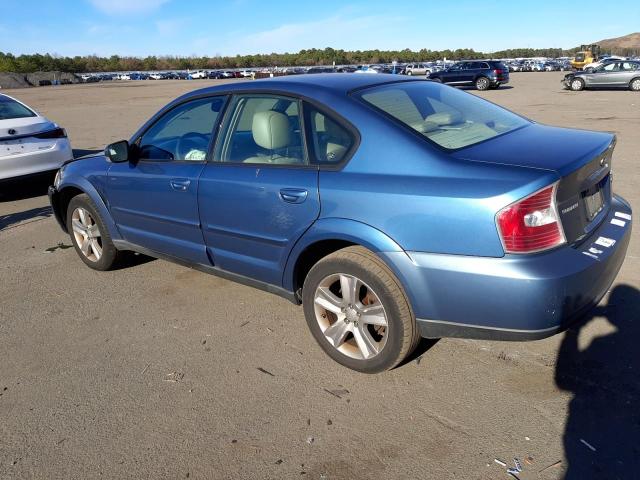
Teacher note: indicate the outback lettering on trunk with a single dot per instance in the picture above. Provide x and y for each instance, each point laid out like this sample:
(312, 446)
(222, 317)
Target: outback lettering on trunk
(568, 209)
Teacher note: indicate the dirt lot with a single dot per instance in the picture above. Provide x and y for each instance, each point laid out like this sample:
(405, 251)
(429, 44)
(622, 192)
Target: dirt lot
(158, 371)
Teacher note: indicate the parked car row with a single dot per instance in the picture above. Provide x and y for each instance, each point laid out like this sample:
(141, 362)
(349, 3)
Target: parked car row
(559, 65)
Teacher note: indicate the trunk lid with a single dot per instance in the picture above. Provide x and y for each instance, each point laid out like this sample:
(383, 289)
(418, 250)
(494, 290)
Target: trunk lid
(21, 127)
(581, 158)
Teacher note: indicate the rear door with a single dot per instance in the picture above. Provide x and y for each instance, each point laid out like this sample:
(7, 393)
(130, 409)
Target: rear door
(153, 198)
(260, 192)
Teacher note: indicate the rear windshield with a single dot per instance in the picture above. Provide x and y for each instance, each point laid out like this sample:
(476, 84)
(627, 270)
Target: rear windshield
(444, 115)
(9, 109)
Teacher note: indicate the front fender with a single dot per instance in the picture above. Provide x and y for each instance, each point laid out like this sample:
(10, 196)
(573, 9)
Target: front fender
(338, 229)
(81, 183)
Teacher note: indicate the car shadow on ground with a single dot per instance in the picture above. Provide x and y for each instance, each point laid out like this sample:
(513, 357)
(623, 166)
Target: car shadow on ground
(602, 433)
(23, 188)
(7, 221)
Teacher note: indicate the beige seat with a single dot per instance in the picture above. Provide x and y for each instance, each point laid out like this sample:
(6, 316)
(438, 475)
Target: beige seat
(271, 130)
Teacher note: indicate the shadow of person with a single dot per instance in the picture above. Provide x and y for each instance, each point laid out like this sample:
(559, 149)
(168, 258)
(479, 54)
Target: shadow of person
(602, 434)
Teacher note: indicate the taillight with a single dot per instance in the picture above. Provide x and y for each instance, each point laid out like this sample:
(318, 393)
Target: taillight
(498, 72)
(531, 224)
(56, 133)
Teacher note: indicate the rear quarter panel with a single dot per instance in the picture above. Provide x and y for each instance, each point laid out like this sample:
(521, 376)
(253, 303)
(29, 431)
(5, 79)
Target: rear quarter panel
(420, 196)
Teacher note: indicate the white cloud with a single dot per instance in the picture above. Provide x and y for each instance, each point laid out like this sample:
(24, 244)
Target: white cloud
(339, 31)
(117, 7)
(170, 27)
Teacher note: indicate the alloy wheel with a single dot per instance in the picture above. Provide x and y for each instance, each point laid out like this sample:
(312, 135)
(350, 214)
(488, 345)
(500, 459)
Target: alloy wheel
(635, 85)
(351, 316)
(576, 85)
(86, 234)
(482, 84)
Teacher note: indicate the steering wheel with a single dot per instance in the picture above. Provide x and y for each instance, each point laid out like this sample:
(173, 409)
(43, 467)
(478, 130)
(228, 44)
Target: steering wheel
(191, 141)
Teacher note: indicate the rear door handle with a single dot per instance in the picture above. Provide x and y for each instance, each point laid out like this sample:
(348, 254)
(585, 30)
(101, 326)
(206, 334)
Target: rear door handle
(180, 184)
(293, 195)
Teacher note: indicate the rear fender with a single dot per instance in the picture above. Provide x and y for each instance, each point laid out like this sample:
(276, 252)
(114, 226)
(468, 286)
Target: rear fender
(342, 229)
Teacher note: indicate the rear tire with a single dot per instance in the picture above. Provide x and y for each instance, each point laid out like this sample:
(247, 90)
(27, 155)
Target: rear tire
(89, 234)
(482, 83)
(369, 328)
(634, 85)
(577, 84)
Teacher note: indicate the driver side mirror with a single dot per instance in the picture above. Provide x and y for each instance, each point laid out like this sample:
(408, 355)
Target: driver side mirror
(117, 152)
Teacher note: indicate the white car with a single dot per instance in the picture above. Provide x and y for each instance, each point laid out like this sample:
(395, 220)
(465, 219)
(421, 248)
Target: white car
(200, 74)
(29, 143)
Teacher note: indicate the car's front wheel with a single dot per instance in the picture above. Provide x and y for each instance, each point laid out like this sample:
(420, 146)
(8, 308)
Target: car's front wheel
(358, 312)
(577, 84)
(89, 235)
(635, 85)
(483, 83)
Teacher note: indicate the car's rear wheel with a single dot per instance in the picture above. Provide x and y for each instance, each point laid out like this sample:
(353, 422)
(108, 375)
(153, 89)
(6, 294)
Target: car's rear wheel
(483, 83)
(358, 312)
(409, 72)
(89, 235)
(635, 85)
(577, 84)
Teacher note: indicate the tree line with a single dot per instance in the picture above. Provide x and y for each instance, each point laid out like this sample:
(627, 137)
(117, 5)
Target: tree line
(310, 57)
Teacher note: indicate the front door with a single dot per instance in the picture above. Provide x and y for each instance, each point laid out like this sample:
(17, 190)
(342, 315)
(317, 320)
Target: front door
(260, 193)
(153, 198)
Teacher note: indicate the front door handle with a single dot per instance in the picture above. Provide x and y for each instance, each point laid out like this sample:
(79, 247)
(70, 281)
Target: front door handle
(180, 185)
(293, 195)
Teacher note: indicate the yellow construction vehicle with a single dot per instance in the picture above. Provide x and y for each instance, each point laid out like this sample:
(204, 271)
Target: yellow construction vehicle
(587, 54)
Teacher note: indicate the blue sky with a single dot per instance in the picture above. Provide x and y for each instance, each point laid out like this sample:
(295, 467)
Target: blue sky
(201, 27)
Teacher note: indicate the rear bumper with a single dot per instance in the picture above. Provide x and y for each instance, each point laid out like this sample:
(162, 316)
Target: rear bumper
(516, 297)
(19, 165)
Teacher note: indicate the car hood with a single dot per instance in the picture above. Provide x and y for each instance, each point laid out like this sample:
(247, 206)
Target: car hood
(24, 126)
(562, 150)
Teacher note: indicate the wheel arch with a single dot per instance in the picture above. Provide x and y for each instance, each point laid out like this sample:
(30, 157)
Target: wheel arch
(327, 236)
(74, 188)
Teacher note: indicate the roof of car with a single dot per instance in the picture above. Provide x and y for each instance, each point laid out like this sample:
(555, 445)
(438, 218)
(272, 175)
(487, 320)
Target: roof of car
(336, 82)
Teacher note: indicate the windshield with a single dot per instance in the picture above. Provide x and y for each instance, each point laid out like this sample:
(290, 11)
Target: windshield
(444, 115)
(9, 109)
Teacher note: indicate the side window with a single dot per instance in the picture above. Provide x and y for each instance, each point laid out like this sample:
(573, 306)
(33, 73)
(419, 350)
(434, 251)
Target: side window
(183, 133)
(262, 129)
(611, 67)
(330, 141)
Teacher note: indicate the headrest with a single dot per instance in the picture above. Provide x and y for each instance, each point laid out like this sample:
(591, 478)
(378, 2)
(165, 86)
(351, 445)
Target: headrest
(271, 130)
(445, 118)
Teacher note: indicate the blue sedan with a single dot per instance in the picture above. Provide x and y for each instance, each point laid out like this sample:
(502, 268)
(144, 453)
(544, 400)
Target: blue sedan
(391, 209)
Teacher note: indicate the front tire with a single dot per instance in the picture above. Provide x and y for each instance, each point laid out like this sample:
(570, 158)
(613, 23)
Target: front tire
(358, 312)
(634, 85)
(577, 84)
(483, 83)
(89, 234)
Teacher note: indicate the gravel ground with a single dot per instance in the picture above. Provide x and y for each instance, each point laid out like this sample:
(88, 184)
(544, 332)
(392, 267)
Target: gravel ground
(158, 371)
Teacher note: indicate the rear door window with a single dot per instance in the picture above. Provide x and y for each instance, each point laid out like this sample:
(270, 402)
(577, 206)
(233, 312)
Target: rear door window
(262, 129)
